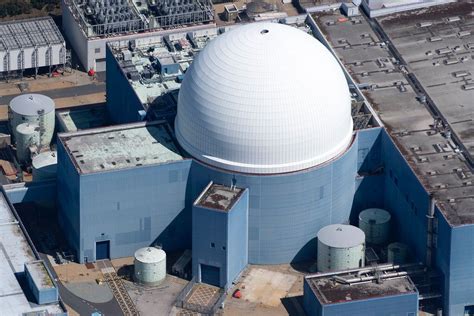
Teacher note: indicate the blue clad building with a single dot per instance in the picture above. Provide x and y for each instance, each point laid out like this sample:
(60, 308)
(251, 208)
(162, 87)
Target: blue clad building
(220, 229)
(122, 188)
(393, 296)
(279, 137)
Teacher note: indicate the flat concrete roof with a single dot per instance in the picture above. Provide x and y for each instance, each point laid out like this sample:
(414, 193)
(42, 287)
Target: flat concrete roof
(72, 120)
(39, 274)
(437, 162)
(14, 253)
(120, 147)
(328, 291)
(428, 60)
(219, 197)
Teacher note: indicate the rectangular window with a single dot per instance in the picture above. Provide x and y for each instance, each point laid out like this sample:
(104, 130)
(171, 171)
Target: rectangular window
(213, 245)
(97, 50)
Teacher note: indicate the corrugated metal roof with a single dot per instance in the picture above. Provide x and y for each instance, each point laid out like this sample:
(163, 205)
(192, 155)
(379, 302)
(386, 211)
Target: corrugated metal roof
(29, 33)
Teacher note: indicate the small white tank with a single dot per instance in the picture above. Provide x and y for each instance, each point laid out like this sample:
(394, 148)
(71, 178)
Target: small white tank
(375, 223)
(150, 266)
(33, 108)
(44, 166)
(340, 247)
(397, 253)
(27, 136)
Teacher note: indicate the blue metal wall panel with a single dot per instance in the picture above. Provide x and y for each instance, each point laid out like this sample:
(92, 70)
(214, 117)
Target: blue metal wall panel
(220, 240)
(287, 210)
(136, 207)
(461, 270)
(122, 102)
(443, 256)
(209, 242)
(369, 150)
(370, 181)
(311, 304)
(237, 238)
(68, 196)
(406, 199)
(397, 305)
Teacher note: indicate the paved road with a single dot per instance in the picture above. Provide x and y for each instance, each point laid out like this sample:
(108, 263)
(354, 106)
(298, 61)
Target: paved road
(81, 306)
(95, 87)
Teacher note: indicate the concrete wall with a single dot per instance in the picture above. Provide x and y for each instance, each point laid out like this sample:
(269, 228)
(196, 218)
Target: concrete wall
(228, 234)
(43, 296)
(286, 211)
(123, 103)
(75, 36)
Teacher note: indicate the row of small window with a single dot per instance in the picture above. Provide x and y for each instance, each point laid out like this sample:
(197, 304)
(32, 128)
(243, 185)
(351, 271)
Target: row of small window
(213, 245)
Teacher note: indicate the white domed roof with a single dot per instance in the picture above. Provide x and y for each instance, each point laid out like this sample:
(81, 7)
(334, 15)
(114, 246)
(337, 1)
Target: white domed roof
(264, 98)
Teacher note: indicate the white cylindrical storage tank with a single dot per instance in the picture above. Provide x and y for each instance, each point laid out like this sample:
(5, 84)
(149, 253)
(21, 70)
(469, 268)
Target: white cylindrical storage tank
(36, 109)
(397, 253)
(150, 266)
(340, 247)
(375, 223)
(44, 166)
(27, 136)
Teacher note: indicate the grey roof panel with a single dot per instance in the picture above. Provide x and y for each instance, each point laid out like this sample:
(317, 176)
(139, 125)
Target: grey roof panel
(29, 33)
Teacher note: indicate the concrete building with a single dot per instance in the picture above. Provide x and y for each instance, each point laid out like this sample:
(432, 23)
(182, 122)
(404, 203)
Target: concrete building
(30, 44)
(439, 182)
(345, 293)
(76, 119)
(96, 164)
(154, 92)
(245, 125)
(220, 234)
(18, 261)
(41, 283)
(376, 8)
(327, 168)
(90, 24)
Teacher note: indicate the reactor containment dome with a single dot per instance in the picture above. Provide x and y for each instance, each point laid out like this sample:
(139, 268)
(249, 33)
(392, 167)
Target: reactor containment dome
(264, 98)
